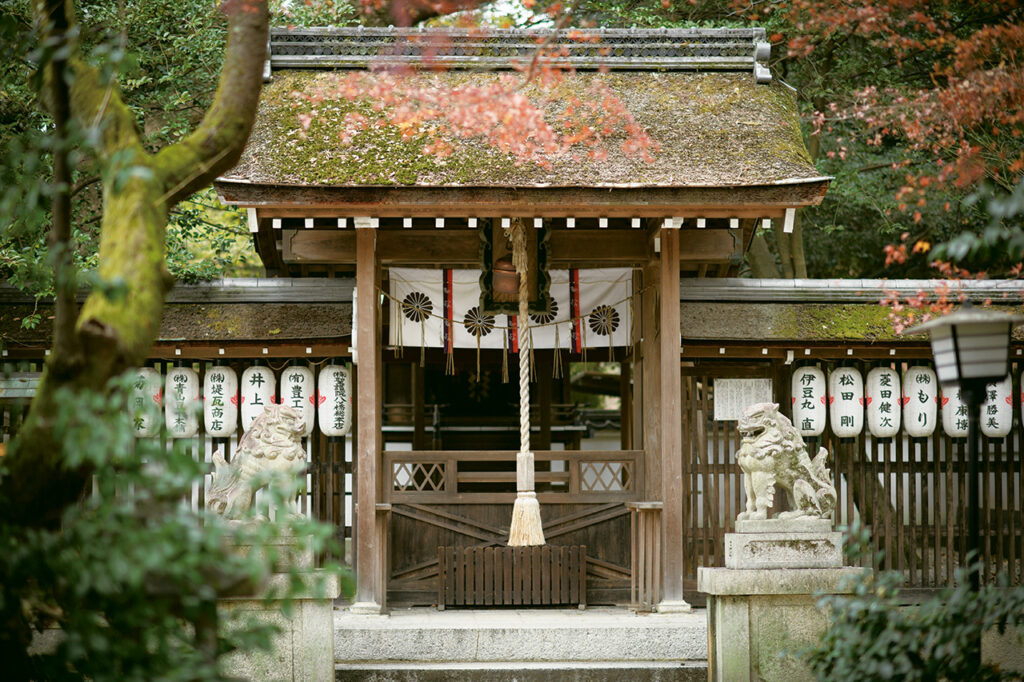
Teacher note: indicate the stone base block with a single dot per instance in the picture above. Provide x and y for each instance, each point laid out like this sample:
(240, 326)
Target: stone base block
(303, 648)
(756, 616)
(783, 550)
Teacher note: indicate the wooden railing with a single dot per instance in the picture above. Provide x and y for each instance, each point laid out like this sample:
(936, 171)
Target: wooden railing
(454, 477)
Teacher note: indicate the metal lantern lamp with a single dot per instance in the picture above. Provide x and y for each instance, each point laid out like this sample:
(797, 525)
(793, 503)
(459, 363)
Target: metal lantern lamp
(971, 349)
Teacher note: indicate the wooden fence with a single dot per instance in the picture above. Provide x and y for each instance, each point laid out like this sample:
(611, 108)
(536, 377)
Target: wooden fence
(330, 469)
(911, 493)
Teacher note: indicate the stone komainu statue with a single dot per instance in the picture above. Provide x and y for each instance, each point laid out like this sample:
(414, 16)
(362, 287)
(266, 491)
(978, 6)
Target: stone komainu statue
(772, 451)
(272, 444)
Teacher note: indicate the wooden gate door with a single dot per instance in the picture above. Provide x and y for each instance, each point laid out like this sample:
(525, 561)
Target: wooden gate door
(464, 499)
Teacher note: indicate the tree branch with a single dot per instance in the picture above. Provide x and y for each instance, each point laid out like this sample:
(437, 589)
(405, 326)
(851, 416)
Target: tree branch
(218, 141)
(55, 35)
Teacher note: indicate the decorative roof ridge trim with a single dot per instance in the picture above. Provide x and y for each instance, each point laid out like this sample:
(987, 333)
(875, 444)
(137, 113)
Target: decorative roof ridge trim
(839, 290)
(728, 49)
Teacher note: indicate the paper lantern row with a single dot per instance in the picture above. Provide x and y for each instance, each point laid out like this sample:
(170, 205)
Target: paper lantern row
(890, 403)
(224, 397)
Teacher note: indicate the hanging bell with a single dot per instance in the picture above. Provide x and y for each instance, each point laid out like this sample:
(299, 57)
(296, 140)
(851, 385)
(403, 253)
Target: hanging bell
(506, 281)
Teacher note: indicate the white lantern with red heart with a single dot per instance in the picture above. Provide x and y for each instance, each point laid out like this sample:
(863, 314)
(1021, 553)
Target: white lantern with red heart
(257, 390)
(955, 421)
(220, 401)
(997, 411)
(146, 400)
(334, 400)
(809, 400)
(299, 392)
(920, 401)
(846, 402)
(181, 402)
(883, 399)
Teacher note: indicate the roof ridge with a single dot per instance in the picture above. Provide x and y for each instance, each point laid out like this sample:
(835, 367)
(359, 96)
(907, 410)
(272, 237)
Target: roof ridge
(689, 49)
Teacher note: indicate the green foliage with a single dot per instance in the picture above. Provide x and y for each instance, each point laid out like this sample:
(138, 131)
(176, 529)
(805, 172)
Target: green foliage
(1000, 245)
(166, 55)
(874, 637)
(131, 576)
(304, 13)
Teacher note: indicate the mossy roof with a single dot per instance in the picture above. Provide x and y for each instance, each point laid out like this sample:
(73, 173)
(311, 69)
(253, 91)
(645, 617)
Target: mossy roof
(714, 130)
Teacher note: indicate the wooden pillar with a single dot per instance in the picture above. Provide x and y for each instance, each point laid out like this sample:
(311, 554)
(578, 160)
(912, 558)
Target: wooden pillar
(419, 427)
(671, 427)
(650, 434)
(368, 438)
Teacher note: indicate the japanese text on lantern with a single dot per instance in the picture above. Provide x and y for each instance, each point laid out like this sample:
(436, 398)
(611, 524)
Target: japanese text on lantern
(808, 394)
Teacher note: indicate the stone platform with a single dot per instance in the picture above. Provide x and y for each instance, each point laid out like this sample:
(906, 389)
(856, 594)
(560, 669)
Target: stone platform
(598, 643)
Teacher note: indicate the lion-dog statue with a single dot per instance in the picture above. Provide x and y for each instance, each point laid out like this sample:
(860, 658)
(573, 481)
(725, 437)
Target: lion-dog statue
(273, 445)
(773, 452)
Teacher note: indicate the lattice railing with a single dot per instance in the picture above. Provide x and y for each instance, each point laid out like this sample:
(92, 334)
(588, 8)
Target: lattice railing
(734, 49)
(490, 477)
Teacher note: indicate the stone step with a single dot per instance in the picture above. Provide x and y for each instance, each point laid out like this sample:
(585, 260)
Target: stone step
(574, 671)
(595, 636)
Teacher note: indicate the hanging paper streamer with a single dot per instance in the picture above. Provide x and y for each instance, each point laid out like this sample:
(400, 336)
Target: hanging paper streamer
(883, 399)
(416, 307)
(954, 413)
(809, 400)
(423, 300)
(146, 399)
(181, 402)
(846, 402)
(920, 401)
(997, 411)
(220, 401)
(299, 393)
(334, 400)
(258, 385)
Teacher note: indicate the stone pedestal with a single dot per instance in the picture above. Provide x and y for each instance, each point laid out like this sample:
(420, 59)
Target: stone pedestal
(763, 603)
(303, 649)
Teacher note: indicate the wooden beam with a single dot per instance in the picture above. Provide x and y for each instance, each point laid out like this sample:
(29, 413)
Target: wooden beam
(368, 438)
(751, 201)
(569, 248)
(671, 427)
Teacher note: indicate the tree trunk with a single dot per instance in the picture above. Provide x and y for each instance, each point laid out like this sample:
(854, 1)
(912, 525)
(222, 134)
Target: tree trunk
(761, 260)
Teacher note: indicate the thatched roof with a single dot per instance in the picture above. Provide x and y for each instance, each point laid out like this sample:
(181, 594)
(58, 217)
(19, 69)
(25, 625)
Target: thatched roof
(715, 130)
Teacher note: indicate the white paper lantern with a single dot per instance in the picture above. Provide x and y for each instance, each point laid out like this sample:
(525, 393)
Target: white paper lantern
(220, 401)
(954, 413)
(181, 402)
(920, 401)
(997, 411)
(146, 400)
(846, 402)
(257, 388)
(809, 400)
(883, 399)
(299, 392)
(334, 410)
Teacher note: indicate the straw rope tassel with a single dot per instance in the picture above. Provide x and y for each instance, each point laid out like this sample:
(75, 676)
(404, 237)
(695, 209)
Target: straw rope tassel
(527, 528)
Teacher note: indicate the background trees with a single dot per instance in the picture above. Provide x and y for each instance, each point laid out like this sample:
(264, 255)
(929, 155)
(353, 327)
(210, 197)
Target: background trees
(914, 106)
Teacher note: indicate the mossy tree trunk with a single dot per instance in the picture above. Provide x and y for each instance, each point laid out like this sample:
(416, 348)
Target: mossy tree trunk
(114, 333)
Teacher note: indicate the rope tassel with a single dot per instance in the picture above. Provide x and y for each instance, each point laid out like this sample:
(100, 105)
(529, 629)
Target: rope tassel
(527, 528)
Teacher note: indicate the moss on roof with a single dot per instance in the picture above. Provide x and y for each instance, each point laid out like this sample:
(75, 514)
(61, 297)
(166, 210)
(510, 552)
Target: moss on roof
(715, 129)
